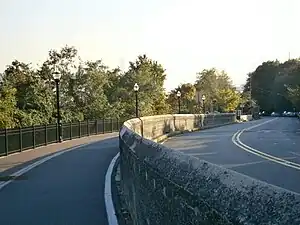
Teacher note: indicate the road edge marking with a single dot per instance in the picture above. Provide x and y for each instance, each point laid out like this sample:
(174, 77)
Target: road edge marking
(236, 140)
(39, 162)
(271, 157)
(109, 205)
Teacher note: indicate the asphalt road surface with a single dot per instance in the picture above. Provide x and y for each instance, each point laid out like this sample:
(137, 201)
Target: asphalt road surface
(266, 149)
(66, 190)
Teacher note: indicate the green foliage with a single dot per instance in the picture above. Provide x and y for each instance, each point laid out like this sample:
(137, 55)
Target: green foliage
(88, 90)
(8, 104)
(294, 95)
(91, 90)
(220, 94)
(217, 88)
(187, 99)
(150, 75)
(228, 100)
(275, 86)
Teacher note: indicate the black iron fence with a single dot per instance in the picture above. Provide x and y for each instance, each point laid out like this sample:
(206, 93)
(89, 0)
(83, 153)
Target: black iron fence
(20, 139)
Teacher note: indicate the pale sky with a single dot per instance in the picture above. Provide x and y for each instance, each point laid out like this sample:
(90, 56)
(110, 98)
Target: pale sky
(185, 36)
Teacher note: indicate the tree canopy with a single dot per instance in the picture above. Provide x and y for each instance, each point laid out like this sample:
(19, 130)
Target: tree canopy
(275, 86)
(91, 90)
(216, 86)
(88, 90)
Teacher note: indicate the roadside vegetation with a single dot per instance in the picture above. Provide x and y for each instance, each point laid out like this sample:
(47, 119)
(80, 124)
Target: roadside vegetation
(91, 90)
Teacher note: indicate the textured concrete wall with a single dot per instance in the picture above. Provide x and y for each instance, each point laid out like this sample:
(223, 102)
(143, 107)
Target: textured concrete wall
(166, 187)
(153, 127)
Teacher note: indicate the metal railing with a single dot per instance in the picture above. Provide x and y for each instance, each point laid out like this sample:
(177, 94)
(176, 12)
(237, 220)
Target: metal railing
(20, 139)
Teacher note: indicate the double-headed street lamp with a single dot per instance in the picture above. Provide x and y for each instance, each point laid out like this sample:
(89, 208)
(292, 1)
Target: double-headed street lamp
(57, 76)
(136, 90)
(203, 102)
(178, 96)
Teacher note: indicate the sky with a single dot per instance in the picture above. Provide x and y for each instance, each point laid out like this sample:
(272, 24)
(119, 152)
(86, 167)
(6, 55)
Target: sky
(184, 36)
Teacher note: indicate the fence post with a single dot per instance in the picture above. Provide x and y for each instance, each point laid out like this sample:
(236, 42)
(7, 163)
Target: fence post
(57, 127)
(79, 129)
(6, 142)
(103, 121)
(21, 139)
(33, 136)
(112, 125)
(62, 131)
(97, 126)
(71, 130)
(46, 134)
(88, 128)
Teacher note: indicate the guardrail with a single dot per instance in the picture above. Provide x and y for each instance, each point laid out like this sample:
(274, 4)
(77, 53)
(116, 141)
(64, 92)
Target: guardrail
(163, 186)
(20, 139)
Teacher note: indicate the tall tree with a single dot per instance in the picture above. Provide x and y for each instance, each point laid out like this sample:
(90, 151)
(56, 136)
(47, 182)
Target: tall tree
(32, 95)
(187, 99)
(271, 85)
(8, 108)
(215, 85)
(150, 76)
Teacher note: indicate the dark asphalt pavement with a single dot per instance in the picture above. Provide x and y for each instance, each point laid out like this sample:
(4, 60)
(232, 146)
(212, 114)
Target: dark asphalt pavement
(279, 138)
(66, 190)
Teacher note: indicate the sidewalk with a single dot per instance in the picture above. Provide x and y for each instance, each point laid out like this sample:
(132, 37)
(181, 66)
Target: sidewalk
(18, 160)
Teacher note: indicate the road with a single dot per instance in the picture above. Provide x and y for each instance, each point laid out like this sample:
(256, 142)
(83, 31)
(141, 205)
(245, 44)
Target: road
(265, 149)
(68, 189)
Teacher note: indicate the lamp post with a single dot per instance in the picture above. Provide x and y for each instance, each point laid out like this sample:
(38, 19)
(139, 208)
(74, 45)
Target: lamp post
(136, 89)
(57, 76)
(203, 101)
(178, 96)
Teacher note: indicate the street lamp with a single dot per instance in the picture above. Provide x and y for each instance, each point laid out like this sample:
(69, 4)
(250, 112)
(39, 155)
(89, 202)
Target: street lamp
(203, 100)
(178, 96)
(57, 76)
(136, 89)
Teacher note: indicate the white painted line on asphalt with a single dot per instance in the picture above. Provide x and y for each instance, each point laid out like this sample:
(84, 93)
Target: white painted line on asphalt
(294, 153)
(201, 153)
(270, 157)
(236, 140)
(250, 163)
(37, 163)
(242, 164)
(109, 205)
(260, 124)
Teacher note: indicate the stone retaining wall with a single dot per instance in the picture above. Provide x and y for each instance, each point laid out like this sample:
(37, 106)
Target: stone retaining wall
(165, 187)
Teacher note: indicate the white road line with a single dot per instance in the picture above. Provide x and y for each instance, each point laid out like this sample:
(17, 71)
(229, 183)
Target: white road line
(294, 153)
(201, 153)
(236, 140)
(242, 164)
(250, 163)
(37, 163)
(109, 205)
(277, 159)
(260, 124)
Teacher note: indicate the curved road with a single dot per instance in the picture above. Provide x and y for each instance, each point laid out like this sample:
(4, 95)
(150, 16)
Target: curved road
(68, 189)
(265, 149)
